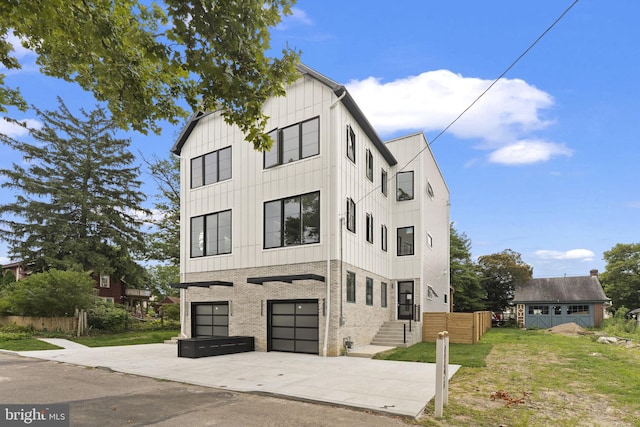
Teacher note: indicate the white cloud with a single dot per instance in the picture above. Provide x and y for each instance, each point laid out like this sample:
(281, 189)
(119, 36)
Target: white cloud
(504, 118)
(298, 17)
(573, 254)
(14, 130)
(525, 152)
(19, 51)
(4, 260)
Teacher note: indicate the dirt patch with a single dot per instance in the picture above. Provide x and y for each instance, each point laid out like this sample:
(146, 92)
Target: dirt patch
(569, 329)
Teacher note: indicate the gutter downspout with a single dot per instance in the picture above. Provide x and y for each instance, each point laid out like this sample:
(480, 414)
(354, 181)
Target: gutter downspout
(328, 216)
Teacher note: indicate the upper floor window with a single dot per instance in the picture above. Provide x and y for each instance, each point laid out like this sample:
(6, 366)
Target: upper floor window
(369, 223)
(351, 215)
(293, 143)
(351, 144)
(292, 221)
(405, 241)
(383, 182)
(211, 234)
(210, 168)
(351, 286)
(105, 281)
(384, 237)
(404, 189)
(369, 155)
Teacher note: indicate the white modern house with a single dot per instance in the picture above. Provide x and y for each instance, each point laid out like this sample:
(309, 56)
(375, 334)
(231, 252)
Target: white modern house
(319, 241)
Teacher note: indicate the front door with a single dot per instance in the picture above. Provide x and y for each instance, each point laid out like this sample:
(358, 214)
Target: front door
(405, 300)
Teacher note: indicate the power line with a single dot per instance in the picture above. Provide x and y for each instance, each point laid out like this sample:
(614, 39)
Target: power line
(504, 73)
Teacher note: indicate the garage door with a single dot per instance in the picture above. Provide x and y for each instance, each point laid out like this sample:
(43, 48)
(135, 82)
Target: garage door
(293, 326)
(210, 319)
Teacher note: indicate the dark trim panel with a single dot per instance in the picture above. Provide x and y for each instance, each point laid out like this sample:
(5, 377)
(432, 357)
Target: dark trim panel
(288, 279)
(185, 285)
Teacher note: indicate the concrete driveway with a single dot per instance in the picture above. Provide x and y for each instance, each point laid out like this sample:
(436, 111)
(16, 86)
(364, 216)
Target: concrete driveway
(398, 388)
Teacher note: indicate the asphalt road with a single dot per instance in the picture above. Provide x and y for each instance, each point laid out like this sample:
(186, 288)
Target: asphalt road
(99, 397)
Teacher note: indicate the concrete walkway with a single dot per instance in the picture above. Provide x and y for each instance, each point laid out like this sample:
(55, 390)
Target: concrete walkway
(398, 388)
(62, 343)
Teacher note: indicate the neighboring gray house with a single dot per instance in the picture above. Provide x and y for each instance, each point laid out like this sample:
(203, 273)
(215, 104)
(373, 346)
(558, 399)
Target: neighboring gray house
(327, 236)
(545, 303)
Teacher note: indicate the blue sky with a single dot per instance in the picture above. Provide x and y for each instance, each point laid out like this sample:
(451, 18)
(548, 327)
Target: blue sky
(544, 164)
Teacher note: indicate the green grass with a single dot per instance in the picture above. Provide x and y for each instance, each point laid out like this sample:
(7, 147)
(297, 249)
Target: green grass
(126, 338)
(26, 344)
(570, 380)
(470, 355)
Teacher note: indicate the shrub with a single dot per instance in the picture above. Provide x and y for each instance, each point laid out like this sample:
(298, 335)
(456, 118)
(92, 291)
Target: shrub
(172, 311)
(107, 317)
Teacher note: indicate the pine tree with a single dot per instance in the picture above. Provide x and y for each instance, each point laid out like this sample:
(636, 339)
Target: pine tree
(78, 199)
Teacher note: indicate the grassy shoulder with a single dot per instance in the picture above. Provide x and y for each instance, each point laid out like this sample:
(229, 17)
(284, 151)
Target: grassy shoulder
(16, 338)
(563, 381)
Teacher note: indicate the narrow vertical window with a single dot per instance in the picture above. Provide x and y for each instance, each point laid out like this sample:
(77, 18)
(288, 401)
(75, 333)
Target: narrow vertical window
(351, 144)
(369, 223)
(383, 237)
(351, 215)
(369, 291)
(369, 165)
(383, 294)
(383, 182)
(351, 286)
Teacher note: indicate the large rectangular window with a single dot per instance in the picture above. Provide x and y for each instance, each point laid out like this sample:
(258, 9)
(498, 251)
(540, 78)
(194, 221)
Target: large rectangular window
(539, 309)
(369, 165)
(210, 168)
(404, 187)
(578, 309)
(369, 291)
(383, 294)
(351, 286)
(292, 221)
(383, 237)
(293, 143)
(211, 234)
(351, 144)
(351, 215)
(369, 223)
(405, 241)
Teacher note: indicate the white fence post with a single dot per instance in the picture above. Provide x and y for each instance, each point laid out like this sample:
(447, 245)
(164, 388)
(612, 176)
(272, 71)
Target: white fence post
(442, 373)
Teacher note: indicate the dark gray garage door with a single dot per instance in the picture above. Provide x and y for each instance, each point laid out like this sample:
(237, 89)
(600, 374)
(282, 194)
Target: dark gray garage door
(209, 319)
(293, 326)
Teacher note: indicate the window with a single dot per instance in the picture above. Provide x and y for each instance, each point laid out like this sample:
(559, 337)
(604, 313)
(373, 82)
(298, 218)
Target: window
(405, 241)
(351, 215)
(383, 238)
(383, 294)
(351, 144)
(429, 240)
(293, 143)
(369, 222)
(578, 309)
(383, 180)
(211, 234)
(210, 168)
(430, 190)
(292, 221)
(539, 309)
(369, 165)
(369, 291)
(105, 281)
(404, 190)
(351, 286)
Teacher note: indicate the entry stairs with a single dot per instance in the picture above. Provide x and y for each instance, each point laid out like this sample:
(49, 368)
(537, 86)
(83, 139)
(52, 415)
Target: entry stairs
(392, 333)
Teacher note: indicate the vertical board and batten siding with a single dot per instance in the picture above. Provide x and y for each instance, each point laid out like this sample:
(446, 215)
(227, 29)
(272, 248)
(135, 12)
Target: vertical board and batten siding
(463, 328)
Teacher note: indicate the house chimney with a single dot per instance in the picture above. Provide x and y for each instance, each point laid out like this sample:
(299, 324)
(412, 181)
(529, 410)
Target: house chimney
(594, 272)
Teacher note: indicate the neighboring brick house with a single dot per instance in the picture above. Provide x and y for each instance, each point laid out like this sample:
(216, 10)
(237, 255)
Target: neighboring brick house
(323, 238)
(545, 303)
(17, 269)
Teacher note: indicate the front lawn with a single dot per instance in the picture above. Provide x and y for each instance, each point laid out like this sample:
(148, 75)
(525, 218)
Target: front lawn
(127, 338)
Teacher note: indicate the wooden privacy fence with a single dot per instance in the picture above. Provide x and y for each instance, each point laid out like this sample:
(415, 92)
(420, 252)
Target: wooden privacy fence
(463, 328)
(76, 324)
